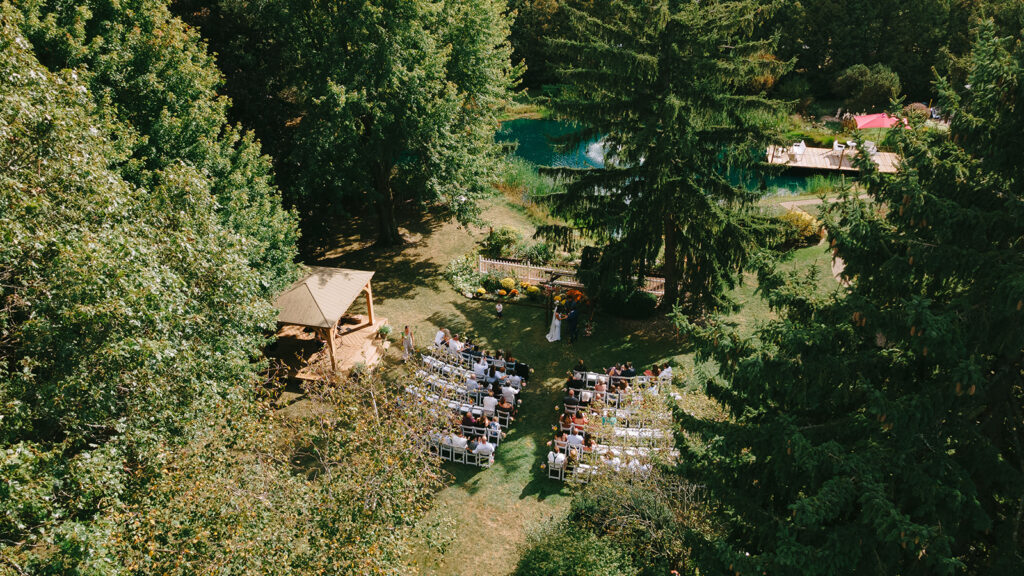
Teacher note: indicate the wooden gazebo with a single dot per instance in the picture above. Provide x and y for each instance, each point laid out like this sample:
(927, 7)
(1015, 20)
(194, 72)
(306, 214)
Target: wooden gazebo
(320, 300)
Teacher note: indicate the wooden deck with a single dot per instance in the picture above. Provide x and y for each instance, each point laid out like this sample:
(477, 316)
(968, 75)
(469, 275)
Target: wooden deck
(826, 160)
(307, 357)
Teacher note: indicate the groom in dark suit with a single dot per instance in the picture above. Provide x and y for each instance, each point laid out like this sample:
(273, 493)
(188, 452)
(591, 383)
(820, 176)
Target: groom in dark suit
(572, 322)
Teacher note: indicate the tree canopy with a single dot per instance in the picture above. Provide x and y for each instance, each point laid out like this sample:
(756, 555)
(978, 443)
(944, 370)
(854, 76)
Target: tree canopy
(675, 92)
(879, 430)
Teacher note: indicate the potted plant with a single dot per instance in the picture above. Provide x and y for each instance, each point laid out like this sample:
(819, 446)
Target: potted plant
(384, 331)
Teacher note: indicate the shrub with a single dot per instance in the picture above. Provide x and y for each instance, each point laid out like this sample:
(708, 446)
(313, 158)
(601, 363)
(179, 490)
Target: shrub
(539, 253)
(565, 550)
(491, 281)
(462, 274)
(502, 242)
(863, 88)
(797, 229)
(631, 303)
(508, 283)
(798, 88)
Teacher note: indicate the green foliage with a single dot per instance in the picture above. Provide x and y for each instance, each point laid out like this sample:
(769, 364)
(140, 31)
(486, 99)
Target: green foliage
(463, 275)
(385, 102)
(565, 550)
(504, 242)
(796, 229)
(628, 68)
(877, 431)
(154, 74)
(628, 303)
(536, 22)
(866, 89)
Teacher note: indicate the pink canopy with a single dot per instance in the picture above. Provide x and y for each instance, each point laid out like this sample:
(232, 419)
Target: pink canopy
(881, 120)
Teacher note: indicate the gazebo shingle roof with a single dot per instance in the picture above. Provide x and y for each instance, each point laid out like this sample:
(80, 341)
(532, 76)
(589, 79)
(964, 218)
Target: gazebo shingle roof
(322, 297)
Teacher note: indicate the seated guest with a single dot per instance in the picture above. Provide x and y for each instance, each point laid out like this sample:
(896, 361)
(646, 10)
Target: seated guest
(580, 366)
(561, 439)
(471, 444)
(493, 427)
(459, 440)
(571, 399)
(565, 422)
(589, 443)
(579, 420)
(629, 371)
(516, 380)
(574, 439)
(468, 419)
(499, 360)
(480, 368)
(613, 371)
(509, 393)
(666, 372)
(483, 447)
(492, 375)
(489, 403)
(454, 345)
(600, 387)
(576, 383)
(522, 370)
(471, 384)
(504, 406)
(556, 460)
(652, 371)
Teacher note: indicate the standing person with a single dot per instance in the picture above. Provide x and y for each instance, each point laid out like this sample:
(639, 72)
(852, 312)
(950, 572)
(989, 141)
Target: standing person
(572, 323)
(407, 344)
(499, 308)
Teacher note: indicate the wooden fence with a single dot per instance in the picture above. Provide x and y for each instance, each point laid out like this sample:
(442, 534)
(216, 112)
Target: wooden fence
(536, 274)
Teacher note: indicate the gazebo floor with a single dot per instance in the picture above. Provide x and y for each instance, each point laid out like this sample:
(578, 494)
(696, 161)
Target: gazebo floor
(307, 359)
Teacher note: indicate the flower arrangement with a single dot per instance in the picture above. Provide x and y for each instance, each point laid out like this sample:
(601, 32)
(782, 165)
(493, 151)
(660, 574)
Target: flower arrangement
(524, 284)
(531, 289)
(508, 283)
(502, 293)
(481, 291)
(513, 292)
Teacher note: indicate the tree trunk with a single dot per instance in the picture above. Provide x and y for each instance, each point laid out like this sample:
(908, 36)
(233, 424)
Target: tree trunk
(671, 266)
(387, 222)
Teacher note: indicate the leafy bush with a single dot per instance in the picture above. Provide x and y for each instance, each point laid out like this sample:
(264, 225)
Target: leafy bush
(502, 242)
(539, 253)
(628, 303)
(508, 283)
(795, 229)
(462, 274)
(491, 281)
(863, 88)
(565, 550)
(796, 87)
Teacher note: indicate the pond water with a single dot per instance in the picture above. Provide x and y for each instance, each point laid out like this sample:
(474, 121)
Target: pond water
(534, 138)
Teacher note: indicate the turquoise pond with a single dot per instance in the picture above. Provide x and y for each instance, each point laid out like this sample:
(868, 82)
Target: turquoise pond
(534, 144)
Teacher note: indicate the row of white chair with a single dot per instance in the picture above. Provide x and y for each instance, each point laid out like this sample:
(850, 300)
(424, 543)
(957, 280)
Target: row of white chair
(560, 467)
(457, 373)
(450, 453)
(504, 418)
(590, 379)
(452, 391)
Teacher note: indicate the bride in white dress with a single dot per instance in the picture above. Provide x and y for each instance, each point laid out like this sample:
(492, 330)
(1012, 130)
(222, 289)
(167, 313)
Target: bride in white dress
(555, 332)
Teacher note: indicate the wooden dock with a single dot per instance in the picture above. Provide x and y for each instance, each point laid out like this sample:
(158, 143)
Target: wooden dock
(825, 159)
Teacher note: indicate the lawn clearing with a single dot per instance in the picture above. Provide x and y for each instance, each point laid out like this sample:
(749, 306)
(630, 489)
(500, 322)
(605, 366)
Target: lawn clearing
(499, 506)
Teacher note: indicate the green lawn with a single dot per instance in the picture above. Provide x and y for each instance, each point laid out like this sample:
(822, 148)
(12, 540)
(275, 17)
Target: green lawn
(499, 506)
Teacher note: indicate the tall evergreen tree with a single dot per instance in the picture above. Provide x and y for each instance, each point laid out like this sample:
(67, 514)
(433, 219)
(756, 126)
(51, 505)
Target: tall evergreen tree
(882, 431)
(385, 102)
(675, 91)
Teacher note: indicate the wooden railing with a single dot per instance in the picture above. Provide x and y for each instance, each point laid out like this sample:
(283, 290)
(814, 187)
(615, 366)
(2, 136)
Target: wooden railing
(536, 274)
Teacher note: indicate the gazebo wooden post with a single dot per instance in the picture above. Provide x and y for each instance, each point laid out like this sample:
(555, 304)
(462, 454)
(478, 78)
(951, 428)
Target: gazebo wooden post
(369, 303)
(330, 345)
